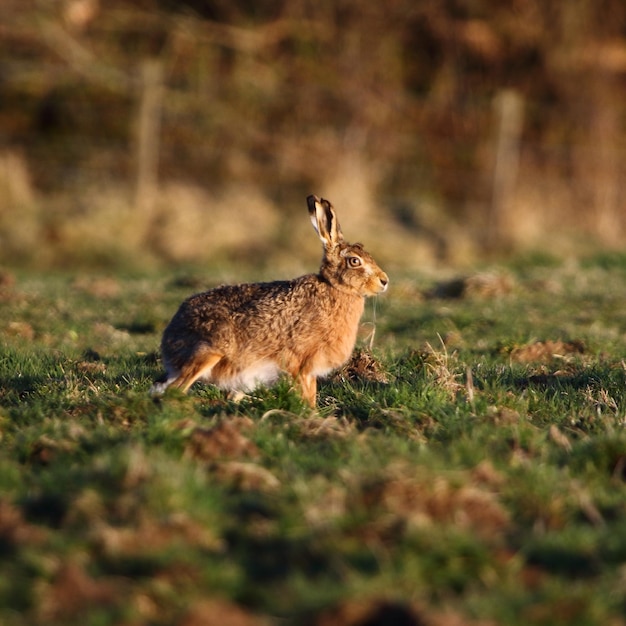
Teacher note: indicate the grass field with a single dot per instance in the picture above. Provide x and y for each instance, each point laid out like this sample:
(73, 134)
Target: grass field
(467, 467)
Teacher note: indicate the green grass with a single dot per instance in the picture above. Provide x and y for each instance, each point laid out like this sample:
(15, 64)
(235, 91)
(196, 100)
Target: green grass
(478, 476)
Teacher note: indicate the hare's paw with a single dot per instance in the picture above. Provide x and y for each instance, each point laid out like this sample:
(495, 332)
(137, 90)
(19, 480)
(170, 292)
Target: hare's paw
(237, 395)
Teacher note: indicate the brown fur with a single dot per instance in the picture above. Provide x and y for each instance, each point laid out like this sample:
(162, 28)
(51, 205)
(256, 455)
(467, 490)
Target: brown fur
(236, 336)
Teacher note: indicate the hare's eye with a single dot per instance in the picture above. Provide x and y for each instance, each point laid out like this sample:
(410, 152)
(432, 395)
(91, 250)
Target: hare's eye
(354, 261)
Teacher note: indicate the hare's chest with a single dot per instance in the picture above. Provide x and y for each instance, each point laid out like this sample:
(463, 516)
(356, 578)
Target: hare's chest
(334, 352)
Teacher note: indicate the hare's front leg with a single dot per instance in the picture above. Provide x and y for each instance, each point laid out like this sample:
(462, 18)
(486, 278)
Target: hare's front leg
(306, 384)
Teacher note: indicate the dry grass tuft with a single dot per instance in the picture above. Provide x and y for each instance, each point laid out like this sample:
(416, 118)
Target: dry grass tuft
(441, 365)
(316, 427)
(502, 416)
(91, 367)
(46, 449)
(312, 426)
(193, 225)
(21, 221)
(363, 366)
(110, 334)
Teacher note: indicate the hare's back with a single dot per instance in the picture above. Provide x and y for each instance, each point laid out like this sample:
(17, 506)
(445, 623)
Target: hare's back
(236, 303)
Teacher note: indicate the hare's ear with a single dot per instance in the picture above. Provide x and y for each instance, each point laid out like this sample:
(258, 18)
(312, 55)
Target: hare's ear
(324, 221)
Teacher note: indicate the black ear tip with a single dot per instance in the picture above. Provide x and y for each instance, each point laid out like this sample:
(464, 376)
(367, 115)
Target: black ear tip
(311, 200)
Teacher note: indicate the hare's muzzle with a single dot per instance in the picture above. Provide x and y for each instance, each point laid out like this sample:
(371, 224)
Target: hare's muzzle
(383, 279)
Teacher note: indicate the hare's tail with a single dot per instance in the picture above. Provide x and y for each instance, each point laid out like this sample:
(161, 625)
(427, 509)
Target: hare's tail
(161, 384)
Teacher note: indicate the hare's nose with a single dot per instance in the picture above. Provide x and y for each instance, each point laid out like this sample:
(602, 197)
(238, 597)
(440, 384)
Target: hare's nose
(384, 281)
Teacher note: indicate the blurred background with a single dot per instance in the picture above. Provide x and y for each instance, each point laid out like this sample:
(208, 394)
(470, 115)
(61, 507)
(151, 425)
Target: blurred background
(165, 132)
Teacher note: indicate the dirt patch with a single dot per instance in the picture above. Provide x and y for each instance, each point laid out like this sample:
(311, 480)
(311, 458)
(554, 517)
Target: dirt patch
(104, 287)
(470, 501)
(229, 455)
(483, 285)
(441, 502)
(7, 280)
(386, 612)
(154, 534)
(370, 613)
(7, 287)
(219, 613)
(15, 530)
(73, 590)
(245, 476)
(23, 330)
(546, 351)
(223, 441)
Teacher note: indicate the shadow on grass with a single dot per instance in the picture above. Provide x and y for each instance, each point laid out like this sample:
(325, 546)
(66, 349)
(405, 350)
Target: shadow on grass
(577, 376)
(18, 389)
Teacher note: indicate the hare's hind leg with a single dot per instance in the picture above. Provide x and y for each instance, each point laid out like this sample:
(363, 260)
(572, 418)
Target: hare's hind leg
(198, 366)
(187, 375)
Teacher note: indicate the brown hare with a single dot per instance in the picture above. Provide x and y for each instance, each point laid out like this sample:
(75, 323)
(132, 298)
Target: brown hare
(240, 336)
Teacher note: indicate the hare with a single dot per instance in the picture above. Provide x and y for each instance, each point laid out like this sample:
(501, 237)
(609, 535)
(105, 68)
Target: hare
(240, 336)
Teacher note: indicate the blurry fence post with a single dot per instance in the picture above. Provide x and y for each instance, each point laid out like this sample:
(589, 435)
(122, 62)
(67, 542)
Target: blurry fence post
(147, 137)
(508, 110)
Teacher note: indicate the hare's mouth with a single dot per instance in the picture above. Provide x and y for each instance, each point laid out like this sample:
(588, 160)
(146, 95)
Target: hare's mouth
(375, 288)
